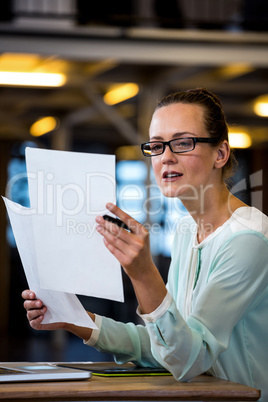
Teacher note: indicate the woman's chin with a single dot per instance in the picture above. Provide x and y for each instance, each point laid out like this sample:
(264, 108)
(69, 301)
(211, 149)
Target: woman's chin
(170, 192)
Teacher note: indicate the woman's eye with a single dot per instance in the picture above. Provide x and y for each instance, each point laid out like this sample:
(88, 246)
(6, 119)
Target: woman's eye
(183, 143)
(156, 147)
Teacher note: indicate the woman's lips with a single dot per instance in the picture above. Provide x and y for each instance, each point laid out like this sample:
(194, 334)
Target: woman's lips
(171, 176)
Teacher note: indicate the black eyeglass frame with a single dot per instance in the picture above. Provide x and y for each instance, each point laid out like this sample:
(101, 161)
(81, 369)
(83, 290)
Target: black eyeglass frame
(209, 140)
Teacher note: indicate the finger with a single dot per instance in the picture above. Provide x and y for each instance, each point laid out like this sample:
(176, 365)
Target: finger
(32, 304)
(28, 294)
(34, 314)
(133, 225)
(119, 238)
(113, 236)
(115, 230)
(125, 253)
(37, 322)
(124, 258)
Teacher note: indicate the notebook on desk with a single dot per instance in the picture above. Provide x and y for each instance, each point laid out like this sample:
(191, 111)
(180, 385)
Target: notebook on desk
(111, 369)
(28, 372)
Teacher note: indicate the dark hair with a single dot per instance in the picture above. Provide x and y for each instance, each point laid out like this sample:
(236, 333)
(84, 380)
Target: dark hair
(214, 118)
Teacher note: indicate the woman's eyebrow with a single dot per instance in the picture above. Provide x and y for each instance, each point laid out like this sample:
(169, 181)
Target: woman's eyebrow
(175, 135)
(181, 134)
(156, 138)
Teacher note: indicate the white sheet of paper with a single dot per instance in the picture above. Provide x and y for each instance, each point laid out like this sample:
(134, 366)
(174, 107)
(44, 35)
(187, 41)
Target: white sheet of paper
(62, 307)
(67, 191)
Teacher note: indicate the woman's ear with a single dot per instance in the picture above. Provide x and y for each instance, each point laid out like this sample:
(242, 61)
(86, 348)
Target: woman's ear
(222, 155)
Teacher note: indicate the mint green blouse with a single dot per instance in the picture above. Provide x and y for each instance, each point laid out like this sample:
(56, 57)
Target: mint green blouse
(214, 318)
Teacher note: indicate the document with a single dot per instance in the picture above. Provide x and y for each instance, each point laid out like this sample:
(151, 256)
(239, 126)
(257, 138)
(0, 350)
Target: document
(67, 191)
(65, 253)
(61, 307)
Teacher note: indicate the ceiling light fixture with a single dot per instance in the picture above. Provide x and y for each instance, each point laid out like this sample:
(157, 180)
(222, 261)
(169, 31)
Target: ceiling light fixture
(120, 93)
(239, 140)
(235, 70)
(43, 126)
(261, 106)
(12, 78)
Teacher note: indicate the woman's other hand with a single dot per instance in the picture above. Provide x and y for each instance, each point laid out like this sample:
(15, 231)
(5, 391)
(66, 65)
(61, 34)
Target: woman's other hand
(36, 311)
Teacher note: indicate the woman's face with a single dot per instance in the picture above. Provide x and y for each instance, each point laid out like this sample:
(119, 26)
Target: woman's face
(183, 175)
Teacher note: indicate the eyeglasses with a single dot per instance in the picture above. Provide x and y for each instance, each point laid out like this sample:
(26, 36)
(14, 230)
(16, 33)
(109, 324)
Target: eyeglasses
(178, 146)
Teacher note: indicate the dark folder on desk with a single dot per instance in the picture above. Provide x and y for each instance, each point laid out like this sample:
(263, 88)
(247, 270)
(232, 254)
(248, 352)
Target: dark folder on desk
(108, 369)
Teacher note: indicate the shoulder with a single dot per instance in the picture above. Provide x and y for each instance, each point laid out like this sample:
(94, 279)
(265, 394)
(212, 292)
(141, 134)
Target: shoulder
(245, 251)
(243, 258)
(249, 219)
(243, 245)
(248, 232)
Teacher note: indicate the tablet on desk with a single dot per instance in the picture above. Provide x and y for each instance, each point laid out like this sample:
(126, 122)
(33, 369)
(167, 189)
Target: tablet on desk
(28, 372)
(109, 369)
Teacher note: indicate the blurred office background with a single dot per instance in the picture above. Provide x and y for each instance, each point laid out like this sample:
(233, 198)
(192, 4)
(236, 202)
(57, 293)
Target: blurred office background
(112, 61)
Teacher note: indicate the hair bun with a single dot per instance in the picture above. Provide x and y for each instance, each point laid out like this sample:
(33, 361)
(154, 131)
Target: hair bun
(207, 93)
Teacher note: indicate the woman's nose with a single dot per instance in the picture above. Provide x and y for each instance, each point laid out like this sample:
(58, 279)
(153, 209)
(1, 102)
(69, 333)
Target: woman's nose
(168, 155)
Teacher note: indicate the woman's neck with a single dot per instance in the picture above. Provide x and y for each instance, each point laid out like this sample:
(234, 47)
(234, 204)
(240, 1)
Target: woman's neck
(212, 209)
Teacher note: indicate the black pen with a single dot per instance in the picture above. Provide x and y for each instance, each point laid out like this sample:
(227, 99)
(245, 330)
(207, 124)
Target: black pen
(117, 221)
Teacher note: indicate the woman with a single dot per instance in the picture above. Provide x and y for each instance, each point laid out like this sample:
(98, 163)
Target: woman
(212, 314)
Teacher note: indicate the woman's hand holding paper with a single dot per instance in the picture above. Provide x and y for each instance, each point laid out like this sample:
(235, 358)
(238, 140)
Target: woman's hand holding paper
(132, 250)
(36, 311)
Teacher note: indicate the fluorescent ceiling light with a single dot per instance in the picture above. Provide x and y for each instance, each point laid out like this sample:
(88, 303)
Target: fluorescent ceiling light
(261, 106)
(31, 79)
(43, 126)
(119, 93)
(234, 70)
(239, 140)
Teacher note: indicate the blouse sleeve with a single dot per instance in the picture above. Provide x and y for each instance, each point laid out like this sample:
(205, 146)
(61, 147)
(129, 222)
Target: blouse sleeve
(126, 342)
(237, 280)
